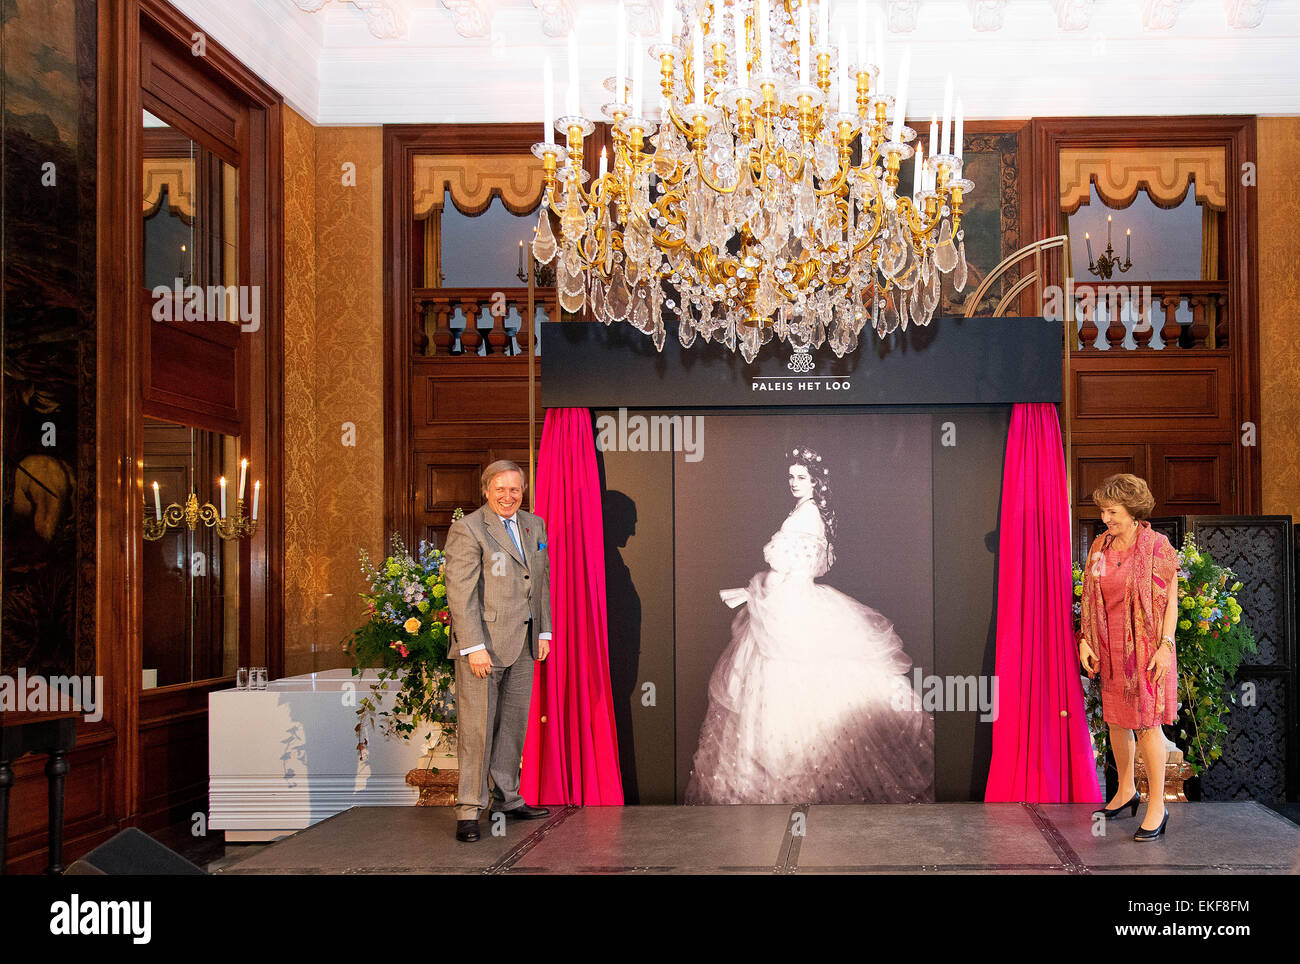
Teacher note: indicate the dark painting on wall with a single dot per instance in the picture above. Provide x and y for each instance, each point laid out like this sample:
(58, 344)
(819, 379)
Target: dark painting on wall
(990, 216)
(47, 542)
(804, 599)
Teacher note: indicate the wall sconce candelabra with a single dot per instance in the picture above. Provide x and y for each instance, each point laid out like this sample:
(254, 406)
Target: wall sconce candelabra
(1108, 262)
(237, 526)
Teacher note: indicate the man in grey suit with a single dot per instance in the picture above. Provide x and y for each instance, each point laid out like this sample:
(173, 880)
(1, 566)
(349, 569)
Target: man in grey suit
(499, 594)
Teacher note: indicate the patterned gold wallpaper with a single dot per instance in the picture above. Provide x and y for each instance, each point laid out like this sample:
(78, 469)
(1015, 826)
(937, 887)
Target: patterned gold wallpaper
(1279, 309)
(333, 206)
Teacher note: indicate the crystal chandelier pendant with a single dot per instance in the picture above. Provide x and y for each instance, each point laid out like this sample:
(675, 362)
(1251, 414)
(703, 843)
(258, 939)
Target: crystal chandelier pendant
(945, 254)
(959, 272)
(544, 246)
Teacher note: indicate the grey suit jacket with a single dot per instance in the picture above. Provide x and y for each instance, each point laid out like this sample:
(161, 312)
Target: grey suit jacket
(491, 591)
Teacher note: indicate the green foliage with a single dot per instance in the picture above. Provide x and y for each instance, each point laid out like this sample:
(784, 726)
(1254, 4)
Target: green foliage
(406, 636)
(1211, 641)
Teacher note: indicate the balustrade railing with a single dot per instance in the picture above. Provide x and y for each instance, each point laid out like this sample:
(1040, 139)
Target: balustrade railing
(1162, 315)
(478, 322)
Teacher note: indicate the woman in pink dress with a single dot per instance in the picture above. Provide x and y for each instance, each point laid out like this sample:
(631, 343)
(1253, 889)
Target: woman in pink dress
(1129, 613)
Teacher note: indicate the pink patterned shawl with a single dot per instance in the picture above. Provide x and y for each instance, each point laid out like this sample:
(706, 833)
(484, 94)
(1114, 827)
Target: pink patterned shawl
(1152, 577)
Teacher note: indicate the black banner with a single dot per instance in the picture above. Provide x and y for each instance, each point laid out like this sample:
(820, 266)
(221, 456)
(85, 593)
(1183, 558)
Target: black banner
(953, 361)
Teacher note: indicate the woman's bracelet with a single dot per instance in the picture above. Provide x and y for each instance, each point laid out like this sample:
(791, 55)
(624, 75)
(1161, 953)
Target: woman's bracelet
(1170, 641)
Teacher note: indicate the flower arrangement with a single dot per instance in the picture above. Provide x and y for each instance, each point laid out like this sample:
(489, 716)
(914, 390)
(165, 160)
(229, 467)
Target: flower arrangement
(1210, 640)
(406, 635)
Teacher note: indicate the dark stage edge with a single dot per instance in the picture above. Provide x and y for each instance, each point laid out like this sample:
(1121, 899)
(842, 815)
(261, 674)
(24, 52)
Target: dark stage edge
(946, 838)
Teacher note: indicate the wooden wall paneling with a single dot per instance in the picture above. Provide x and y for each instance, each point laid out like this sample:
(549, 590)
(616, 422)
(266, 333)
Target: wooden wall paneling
(1190, 476)
(1240, 365)
(1094, 461)
(419, 411)
(145, 761)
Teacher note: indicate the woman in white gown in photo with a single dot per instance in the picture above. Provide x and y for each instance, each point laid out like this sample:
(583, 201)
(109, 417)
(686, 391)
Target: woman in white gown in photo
(810, 702)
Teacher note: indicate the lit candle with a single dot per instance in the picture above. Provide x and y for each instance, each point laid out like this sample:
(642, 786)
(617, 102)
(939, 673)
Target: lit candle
(638, 80)
(521, 257)
(805, 41)
(223, 497)
(571, 104)
(666, 22)
(548, 102)
(1128, 244)
(957, 138)
(157, 503)
(765, 37)
(257, 490)
(604, 163)
(823, 22)
(917, 168)
(243, 476)
(620, 41)
(742, 48)
(945, 132)
(844, 70)
(934, 130)
(697, 52)
(900, 98)
(1108, 219)
(1087, 240)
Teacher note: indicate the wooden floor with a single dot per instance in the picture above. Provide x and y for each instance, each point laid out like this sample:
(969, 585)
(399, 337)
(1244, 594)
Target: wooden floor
(953, 838)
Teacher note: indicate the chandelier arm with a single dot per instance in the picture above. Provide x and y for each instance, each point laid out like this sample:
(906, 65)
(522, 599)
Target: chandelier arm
(704, 175)
(839, 182)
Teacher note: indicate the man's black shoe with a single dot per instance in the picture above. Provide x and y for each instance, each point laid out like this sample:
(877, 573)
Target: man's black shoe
(467, 830)
(525, 812)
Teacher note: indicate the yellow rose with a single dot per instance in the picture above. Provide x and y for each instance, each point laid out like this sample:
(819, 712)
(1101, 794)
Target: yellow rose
(412, 626)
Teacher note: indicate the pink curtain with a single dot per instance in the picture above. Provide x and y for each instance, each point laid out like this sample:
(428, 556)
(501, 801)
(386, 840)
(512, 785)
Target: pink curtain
(1042, 751)
(571, 751)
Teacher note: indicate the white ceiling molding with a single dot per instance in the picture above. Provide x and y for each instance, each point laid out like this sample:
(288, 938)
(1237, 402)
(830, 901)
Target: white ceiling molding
(643, 17)
(472, 18)
(1244, 14)
(1160, 14)
(384, 20)
(901, 15)
(986, 15)
(557, 16)
(1073, 14)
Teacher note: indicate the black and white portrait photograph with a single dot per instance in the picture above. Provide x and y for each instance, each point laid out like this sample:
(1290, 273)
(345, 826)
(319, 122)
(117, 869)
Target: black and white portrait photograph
(804, 599)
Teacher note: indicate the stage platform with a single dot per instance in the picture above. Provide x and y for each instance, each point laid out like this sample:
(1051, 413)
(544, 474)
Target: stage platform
(951, 838)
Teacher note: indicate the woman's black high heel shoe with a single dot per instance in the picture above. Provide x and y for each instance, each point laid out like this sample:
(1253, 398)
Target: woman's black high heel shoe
(1141, 834)
(1131, 807)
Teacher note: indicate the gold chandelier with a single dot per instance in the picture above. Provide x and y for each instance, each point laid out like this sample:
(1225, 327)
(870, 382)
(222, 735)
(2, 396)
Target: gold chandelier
(754, 207)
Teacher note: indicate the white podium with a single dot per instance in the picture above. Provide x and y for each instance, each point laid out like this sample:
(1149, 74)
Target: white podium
(284, 758)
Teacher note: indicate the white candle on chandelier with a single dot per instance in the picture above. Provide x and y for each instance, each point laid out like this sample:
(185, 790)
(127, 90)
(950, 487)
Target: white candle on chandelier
(604, 162)
(697, 53)
(666, 23)
(548, 102)
(157, 502)
(844, 72)
(638, 80)
(572, 101)
(862, 33)
(620, 55)
(957, 137)
(805, 42)
(934, 130)
(223, 497)
(243, 476)
(742, 48)
(257, 490)
(945, 132)
(917, 168)
(878, 55)
(900, 98)
(823, 22)
(765, 37)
